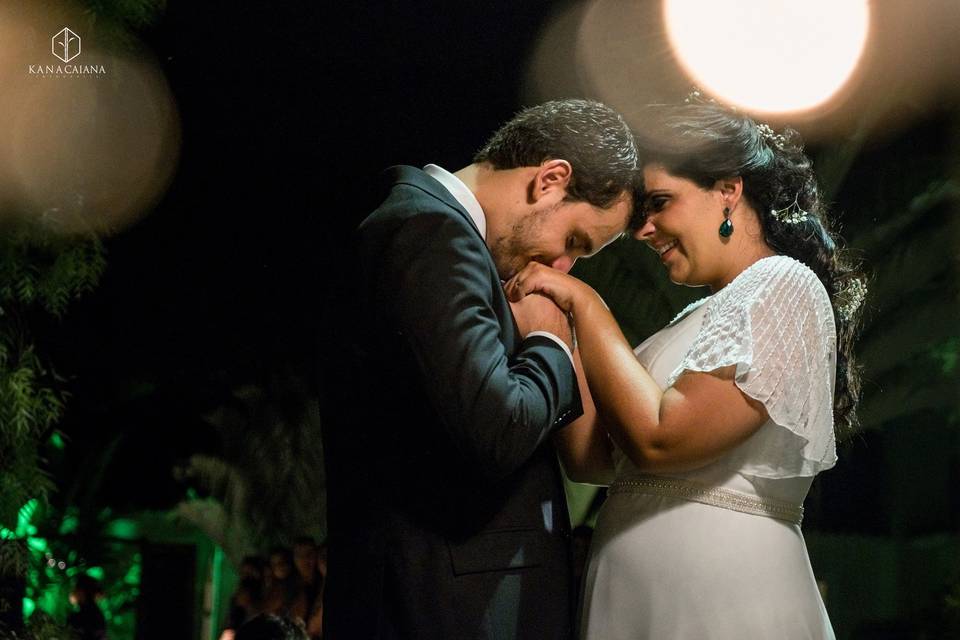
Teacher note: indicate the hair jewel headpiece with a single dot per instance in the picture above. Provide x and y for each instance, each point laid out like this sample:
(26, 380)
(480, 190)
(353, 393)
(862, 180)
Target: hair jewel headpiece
(852, 297)
(696, 97)
(791, 214)
(772, 137)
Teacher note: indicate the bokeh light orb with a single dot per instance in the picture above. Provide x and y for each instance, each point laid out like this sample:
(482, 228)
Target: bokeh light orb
(88, 145)
(769, 55)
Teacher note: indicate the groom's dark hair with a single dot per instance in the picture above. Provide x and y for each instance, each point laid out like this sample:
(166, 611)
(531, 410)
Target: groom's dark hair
(591, 136)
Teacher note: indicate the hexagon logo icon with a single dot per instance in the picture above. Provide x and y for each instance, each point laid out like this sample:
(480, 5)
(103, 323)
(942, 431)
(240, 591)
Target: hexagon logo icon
(66, 45)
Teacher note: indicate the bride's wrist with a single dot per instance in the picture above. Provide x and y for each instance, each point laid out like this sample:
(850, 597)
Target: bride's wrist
(584, 300)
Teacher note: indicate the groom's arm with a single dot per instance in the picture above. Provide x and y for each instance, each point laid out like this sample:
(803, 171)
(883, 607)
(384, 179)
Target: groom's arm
(434, 277)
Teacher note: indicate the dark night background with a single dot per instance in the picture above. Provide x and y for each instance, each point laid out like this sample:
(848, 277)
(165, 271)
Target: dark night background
(288, 113)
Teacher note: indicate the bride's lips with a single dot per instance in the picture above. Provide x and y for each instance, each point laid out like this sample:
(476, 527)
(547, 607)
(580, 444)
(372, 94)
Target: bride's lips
(665, 249)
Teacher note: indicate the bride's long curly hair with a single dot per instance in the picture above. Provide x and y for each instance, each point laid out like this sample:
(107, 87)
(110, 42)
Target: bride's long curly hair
(704, 141)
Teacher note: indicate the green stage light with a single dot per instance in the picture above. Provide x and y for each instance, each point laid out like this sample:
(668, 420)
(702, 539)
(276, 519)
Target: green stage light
(37, 544)
(24, 516)
(124, 529)
(69, 524)
(57, 442)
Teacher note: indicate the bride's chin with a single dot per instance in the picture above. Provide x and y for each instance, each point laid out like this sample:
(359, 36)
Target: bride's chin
(675, 274)
(682, 279)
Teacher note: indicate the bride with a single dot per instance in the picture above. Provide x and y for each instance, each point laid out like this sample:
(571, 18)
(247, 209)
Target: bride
(711, 431)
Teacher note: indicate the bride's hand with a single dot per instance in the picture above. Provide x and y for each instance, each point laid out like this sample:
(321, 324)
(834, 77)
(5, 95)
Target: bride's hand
(564, 290)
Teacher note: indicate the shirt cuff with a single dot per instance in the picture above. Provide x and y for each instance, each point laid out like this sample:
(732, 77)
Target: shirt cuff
(563, 345)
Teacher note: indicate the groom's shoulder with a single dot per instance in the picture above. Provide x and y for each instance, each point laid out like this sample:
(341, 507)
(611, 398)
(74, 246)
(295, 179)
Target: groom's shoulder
(404, 175)
(402, 182)
(405, 193)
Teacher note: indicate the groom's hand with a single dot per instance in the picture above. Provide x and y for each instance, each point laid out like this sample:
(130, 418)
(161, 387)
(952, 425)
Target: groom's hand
(538, 313)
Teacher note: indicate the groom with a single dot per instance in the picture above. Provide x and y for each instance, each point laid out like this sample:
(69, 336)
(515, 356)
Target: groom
(446, 509)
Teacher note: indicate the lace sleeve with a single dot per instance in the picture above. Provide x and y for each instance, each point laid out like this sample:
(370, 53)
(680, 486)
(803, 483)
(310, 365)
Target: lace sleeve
(774, 322)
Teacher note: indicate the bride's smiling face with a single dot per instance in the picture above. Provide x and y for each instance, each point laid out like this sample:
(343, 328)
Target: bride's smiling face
(682, 225)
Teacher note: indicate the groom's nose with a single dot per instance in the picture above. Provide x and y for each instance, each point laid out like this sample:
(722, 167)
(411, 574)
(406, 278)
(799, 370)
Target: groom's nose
(563, 263)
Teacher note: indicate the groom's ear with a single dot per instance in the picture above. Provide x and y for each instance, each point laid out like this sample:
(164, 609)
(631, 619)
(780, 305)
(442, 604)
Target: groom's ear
(551, 180)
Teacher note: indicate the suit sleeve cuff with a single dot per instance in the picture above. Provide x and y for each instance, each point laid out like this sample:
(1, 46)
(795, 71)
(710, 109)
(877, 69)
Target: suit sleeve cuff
(547, 334)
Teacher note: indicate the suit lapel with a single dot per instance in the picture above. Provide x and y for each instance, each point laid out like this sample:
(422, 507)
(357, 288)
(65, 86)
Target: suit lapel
(403, 174)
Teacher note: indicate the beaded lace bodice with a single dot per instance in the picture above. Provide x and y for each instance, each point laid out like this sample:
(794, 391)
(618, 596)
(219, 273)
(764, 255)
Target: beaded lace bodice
(774, 322)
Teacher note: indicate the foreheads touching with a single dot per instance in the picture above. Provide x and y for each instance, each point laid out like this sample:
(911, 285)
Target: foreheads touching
(556, 184)
(593, 138)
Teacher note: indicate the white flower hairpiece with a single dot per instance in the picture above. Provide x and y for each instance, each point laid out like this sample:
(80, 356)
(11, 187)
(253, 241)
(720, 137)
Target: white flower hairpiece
(697, 97)
(791, 214)
(853, 296)
(772, 137)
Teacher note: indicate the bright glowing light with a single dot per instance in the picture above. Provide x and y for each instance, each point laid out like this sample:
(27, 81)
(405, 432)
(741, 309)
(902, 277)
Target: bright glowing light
(81, 153)
(38, 544)
(69, 524)
(769, 55)
(123, 528)
(57, 441)
(24, 516)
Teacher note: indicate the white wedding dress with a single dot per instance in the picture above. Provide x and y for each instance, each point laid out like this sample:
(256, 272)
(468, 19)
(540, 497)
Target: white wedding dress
(717, 553)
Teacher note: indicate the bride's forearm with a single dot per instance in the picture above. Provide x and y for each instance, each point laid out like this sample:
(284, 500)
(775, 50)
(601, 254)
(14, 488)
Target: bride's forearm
(583, 445)
(626, 397)
(584, 453)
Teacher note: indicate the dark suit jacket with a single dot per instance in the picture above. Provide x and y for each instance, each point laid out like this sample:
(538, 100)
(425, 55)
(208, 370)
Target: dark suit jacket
(446, 510)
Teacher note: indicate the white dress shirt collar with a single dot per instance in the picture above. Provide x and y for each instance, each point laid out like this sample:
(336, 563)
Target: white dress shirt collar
(462, 193)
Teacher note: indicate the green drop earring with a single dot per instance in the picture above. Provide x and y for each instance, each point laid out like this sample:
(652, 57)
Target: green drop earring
(726, 227)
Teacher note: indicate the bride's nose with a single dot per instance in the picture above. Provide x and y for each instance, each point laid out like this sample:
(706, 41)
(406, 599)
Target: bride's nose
(646, 230)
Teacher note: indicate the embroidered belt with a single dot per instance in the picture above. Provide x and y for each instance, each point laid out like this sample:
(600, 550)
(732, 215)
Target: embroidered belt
(714, 496)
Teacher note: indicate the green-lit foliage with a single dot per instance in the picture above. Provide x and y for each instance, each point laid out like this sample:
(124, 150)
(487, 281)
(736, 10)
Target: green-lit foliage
(947, 355)
(40, 273)
(88, 537)
(120, 577)
(52, 564)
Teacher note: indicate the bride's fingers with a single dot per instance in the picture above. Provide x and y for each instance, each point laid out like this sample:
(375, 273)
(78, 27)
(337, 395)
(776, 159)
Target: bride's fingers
(534, 283)
(510, 288)
(533, 278)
